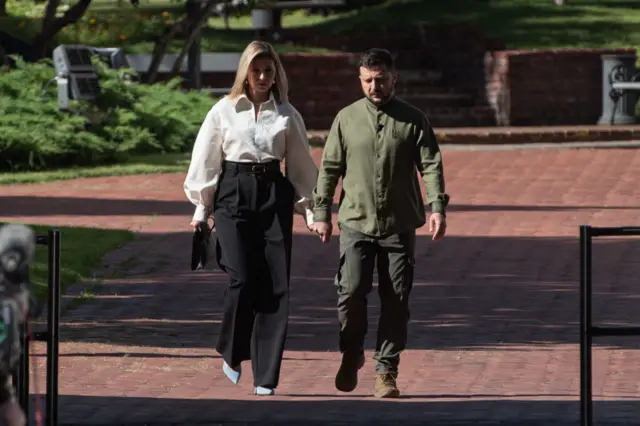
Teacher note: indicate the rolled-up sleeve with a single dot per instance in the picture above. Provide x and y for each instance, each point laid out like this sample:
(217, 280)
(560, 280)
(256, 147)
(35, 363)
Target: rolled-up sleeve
(300, 167)
(204, 169)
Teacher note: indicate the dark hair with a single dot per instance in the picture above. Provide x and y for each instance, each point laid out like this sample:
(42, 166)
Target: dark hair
(376, 57)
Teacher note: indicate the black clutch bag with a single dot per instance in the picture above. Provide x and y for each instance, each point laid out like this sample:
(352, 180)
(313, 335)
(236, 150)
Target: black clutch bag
(204, 248)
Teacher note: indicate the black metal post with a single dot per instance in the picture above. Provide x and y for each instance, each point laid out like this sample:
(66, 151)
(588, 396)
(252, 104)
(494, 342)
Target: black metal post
(277, 21)
(586, 404)
(24, 374)
(53, 328)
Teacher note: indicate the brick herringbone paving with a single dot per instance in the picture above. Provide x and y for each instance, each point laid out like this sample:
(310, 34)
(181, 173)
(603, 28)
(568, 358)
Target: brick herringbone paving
(494, 332)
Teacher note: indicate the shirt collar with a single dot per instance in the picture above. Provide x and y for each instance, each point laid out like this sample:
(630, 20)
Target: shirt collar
(382, 107)
(243, 99)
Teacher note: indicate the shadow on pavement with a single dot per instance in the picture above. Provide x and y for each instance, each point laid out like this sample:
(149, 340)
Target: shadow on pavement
(469, 293)
(33, 206)
(320, 410)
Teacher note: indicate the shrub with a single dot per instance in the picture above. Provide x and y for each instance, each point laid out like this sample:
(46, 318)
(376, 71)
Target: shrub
(128, 118)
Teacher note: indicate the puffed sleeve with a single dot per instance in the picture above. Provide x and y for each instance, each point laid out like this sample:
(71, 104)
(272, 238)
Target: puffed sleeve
(204, 169)
(300, 167)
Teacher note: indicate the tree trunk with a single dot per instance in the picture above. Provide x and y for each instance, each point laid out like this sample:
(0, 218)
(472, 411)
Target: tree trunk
(52, 25)
(3, 8)
(161, 46)
(50, 13)
(194, 32)
(226, 14)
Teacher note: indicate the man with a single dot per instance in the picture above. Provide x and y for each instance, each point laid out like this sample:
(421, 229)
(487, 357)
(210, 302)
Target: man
(375, 145)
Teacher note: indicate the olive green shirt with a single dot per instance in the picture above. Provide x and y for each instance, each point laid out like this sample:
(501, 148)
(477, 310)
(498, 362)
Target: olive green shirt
(377, 151)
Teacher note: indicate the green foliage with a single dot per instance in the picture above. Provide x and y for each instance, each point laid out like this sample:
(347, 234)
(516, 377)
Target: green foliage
(32, 9)
(124, 27)
(82, 251)
(127, 119)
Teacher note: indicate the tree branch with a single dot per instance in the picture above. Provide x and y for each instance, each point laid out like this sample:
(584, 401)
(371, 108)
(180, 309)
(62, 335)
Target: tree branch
(207, 10)
(50, 13)
(52, 25)
(161, 46)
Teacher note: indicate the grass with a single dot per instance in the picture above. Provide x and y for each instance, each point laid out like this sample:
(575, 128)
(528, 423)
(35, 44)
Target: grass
(214, 40)
(157, 163)
(82, 250)
(522, 24)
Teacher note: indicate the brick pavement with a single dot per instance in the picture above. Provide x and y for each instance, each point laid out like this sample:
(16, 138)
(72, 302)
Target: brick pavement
(495, 309)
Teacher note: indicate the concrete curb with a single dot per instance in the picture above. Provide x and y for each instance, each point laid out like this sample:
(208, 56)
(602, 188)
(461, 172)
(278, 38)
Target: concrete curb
(528, 137)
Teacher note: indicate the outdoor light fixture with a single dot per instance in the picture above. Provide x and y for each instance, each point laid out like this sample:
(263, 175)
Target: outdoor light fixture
(75, 75)
(113, 56)
(116, 59)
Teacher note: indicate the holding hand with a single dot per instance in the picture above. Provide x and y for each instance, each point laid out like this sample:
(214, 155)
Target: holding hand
(437, 225)
(323, 229)
(196, 223)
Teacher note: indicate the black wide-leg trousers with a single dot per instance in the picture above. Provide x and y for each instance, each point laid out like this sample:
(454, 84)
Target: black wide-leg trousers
(253, 212)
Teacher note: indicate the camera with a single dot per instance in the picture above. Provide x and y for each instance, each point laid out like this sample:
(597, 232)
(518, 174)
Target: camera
(17, 250)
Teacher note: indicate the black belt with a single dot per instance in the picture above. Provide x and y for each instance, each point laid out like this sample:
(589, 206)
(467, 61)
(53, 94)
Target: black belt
(269, 167)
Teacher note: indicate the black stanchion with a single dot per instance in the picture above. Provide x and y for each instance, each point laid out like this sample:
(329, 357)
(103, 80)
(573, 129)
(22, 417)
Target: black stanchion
(587, 329)
(21, 376)
(53, 328)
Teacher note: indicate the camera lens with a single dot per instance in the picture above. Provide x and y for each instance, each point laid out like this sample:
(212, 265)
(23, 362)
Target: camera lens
(10, 261)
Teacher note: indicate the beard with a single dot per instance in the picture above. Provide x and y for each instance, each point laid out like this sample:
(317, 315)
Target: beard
(380, 98)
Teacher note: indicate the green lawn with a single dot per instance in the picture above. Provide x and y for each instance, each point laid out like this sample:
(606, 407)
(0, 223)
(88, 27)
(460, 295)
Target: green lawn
(82, 250)
(160, 163)
(523, 24)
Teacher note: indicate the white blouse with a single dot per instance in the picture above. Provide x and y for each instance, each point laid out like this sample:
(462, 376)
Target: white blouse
(231, 132)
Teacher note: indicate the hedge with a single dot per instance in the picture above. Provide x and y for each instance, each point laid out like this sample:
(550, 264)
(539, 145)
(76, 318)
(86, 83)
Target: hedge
(128, 118)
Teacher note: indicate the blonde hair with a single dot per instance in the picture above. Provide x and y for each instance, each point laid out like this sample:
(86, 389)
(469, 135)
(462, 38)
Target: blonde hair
(255, 49)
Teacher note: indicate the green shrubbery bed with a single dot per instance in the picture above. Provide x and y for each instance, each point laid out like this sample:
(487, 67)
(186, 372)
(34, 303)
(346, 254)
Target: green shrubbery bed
(128, 119)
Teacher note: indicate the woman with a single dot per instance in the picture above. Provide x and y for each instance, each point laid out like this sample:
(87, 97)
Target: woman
(235, 174)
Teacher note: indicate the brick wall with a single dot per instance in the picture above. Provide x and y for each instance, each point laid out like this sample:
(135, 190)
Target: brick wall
(524, 88)
(456, 49)
(319, 84)
(517, 88)
(546, 87)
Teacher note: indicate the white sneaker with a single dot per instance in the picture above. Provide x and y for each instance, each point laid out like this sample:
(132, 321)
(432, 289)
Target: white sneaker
(233, 375)
(263, 391)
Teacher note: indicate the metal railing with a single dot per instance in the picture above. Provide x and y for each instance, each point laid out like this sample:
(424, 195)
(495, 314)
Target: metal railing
(51, 336)
(587, 329)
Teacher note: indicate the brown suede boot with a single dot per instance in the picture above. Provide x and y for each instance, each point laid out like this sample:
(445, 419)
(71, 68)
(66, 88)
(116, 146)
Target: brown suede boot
(386, 386)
